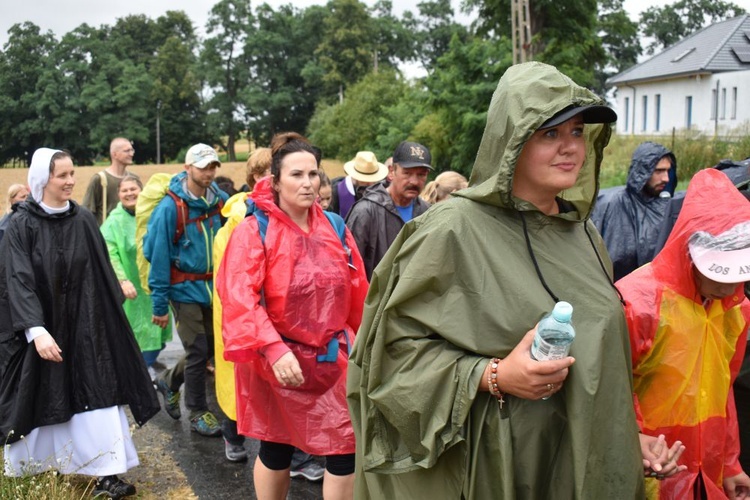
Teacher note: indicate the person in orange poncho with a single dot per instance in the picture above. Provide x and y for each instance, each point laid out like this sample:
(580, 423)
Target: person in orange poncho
(688, 320)
(292, 304)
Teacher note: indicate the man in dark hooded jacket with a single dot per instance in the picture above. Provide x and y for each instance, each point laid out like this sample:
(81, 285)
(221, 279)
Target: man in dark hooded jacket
(629, 218)
(379, 215)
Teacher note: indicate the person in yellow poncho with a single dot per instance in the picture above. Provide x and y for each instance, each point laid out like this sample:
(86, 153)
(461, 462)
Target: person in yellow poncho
(234, 211)
(688, 319)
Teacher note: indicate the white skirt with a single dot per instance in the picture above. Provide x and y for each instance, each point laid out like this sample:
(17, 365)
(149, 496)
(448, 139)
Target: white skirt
(93, 443)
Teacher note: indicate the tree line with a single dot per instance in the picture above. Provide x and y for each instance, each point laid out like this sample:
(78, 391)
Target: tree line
(330, 71)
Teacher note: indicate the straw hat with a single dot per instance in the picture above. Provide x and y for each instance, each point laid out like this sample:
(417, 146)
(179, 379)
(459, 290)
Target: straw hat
(365, 168)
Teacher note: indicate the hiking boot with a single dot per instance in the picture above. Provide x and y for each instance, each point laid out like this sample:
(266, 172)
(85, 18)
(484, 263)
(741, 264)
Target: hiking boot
(171, 399)
(112, 487)
(235, 452)
(311, 471)
(205, 425)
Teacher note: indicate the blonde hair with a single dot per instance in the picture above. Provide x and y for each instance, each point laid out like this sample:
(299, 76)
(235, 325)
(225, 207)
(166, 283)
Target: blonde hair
(442, 186)
(13, 191)
(257, 164)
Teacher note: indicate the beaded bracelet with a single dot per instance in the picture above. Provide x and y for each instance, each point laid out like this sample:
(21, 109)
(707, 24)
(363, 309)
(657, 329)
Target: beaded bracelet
(492, 382)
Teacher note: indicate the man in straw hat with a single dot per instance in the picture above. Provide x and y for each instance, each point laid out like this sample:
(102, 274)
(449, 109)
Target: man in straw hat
(363, 171)
(688, 318)
(376, 219)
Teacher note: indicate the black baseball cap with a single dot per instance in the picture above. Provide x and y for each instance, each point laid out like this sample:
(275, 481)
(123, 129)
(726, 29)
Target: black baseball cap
(412, 154)
(590, 114)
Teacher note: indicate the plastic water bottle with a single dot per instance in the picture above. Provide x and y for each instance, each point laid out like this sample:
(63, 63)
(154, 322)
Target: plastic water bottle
(554, 334)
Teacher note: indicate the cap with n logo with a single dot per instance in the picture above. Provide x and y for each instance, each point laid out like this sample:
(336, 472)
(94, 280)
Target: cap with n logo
(412, 154)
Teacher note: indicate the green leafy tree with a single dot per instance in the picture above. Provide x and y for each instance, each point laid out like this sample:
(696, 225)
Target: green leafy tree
(119, 98)
(224, 66)
(470, 69)
(176, 95)
(279, 97)
(669, 24)
(563, 33)
(341, 130)
(22, 63)
(620, 40)
(175, 23)
(346, 52)
(395, 41)
(435, 28)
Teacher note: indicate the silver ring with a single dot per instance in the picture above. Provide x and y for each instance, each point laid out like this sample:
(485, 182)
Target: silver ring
(550, 387)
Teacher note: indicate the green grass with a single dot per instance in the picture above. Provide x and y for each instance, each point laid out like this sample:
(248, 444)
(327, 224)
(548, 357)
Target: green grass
(693, 153)
(46, 486)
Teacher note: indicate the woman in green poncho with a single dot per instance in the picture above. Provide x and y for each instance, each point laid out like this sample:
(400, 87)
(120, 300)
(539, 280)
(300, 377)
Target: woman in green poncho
(467, 282)
(119, 233)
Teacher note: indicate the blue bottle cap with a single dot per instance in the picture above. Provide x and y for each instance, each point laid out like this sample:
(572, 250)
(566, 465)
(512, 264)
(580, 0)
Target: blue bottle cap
(562, 312)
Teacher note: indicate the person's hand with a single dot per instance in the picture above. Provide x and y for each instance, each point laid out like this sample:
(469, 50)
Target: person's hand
(659, 459)
(160, 321)
(737, 487)
(128, 289)
(47, 348)
(522, 376)
(287, 370)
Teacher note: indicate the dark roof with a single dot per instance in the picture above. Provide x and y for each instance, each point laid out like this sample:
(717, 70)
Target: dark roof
(723, 46)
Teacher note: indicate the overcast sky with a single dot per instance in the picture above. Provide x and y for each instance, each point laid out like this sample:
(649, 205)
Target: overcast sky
(62, 16)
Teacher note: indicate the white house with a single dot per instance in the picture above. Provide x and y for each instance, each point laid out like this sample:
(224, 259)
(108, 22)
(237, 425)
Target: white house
(701, 83)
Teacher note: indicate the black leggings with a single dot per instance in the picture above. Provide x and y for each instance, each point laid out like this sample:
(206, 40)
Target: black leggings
(278, 456)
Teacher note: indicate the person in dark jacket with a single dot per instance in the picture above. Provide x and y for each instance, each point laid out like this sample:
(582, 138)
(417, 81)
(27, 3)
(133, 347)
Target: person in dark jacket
(69, 361)
(629, 218)
(376, 219)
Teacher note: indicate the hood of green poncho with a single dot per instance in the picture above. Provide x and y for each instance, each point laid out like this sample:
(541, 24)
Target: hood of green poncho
(528, 95)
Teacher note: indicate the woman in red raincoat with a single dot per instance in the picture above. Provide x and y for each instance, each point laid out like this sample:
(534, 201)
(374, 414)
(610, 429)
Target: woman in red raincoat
(292, 302)
(688, 320)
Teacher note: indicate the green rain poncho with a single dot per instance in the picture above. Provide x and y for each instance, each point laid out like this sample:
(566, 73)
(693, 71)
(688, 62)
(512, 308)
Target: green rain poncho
(119, 233)
(458, 286)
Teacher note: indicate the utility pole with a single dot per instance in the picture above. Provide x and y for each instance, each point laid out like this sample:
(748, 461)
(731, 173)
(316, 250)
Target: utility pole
(521, 30)
(158, 132)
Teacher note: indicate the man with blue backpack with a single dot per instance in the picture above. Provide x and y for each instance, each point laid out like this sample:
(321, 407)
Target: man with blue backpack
(178, 244)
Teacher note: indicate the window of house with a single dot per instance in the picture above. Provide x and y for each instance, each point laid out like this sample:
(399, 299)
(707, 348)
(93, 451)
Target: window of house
(723, 103)
(657, 114)
(688, 112)
(645, 113)
(714, 103)
(734, 103)
(627, 114)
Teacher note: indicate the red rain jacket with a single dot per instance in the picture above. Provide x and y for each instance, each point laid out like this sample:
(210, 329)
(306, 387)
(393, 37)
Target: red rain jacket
(686, 354)
(311, 295)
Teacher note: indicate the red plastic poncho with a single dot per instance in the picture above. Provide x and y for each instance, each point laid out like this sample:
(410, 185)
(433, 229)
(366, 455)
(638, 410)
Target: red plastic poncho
(686, 354)
(311, 294)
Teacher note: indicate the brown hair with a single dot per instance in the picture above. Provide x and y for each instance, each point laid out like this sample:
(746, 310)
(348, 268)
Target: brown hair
(57, 156)
(287, 143)
(257, 164)
(324, 180)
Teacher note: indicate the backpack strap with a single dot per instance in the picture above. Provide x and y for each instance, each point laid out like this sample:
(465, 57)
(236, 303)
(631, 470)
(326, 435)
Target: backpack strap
(182, 216)
(176, 275)
(333, 218)
(103, 178)
(340, 227)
